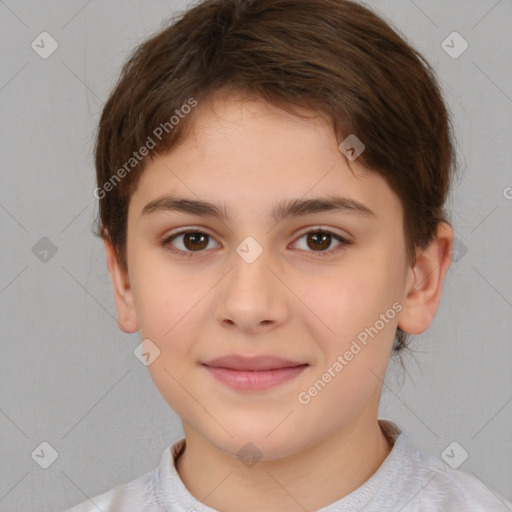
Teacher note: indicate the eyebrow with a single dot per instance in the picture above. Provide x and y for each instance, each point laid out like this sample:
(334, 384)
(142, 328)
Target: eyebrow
(284, 209)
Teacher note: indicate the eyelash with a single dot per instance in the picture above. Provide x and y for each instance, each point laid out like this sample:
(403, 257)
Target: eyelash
(314, 254)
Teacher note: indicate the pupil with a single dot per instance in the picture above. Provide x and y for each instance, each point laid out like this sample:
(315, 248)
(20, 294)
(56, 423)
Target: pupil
(196, 239)
(323, 238)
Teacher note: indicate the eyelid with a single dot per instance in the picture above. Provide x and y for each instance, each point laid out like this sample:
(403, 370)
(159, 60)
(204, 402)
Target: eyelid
(303, 231)
(187, 229)
(323, 229)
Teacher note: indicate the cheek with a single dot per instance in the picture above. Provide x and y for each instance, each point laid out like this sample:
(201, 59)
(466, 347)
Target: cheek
(352, 361)
(164, 294)
(167, 307)
(355, 304)
(345, 300)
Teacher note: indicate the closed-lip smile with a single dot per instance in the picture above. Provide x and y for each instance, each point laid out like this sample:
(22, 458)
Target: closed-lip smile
(253, 373)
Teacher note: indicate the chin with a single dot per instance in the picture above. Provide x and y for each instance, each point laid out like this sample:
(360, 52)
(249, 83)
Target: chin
(252, 444)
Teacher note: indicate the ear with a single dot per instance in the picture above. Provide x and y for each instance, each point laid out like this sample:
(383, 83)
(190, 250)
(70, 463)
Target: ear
(123, 295)
(425, 282)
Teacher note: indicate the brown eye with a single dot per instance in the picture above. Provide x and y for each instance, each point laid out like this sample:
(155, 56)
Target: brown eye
(195, 241)
(187, 243)
(319, 240)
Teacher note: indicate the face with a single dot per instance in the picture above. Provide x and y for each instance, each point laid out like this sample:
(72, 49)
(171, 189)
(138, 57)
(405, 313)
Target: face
(321, 287)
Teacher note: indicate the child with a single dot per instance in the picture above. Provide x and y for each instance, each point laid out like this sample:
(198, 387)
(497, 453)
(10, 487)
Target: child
(271, 177)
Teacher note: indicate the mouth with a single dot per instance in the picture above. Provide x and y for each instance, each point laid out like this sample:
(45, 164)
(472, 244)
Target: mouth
(253, 373)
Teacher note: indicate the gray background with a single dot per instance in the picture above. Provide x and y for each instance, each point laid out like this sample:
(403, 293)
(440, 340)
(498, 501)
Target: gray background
(67, 373)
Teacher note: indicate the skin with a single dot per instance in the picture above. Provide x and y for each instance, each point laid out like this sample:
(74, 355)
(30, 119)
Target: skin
(249, 155)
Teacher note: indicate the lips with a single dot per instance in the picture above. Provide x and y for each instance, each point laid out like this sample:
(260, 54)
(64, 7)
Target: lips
(252, 363)
(253, 373)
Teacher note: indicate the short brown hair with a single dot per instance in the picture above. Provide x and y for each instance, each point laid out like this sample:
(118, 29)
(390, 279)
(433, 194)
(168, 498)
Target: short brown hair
(333, 57)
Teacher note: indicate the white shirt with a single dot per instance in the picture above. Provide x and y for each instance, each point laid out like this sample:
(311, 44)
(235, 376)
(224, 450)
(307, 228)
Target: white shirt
(409, 480)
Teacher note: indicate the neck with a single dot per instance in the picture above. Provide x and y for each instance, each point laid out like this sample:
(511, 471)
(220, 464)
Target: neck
(314, 478)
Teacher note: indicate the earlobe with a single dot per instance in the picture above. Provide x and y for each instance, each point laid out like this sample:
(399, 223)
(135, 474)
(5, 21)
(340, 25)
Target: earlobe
(123, 294)
(425, 282)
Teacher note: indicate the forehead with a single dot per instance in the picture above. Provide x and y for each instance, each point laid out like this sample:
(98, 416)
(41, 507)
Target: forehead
(242, 154)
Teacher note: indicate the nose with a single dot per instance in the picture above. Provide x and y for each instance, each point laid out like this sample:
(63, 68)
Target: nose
(251, 297)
